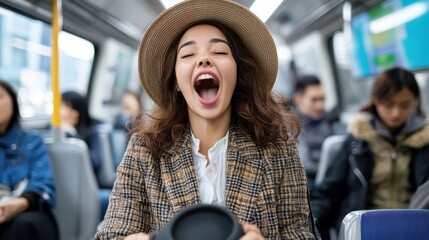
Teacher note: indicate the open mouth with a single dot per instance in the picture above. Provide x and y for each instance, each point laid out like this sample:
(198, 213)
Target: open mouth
(207, 87)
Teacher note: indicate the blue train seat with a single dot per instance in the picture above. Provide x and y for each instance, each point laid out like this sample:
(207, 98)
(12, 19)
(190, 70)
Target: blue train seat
(392, 224)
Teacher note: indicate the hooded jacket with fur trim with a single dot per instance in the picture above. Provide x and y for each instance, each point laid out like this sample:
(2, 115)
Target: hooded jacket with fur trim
(348, 183)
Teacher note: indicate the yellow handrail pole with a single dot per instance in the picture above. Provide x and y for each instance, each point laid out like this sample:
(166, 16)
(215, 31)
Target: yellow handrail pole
(56, 26)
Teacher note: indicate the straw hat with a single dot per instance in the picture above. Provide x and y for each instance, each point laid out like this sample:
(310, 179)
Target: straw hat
(171, 22)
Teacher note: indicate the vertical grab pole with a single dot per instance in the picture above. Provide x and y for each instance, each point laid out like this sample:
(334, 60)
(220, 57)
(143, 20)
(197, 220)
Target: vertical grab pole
(55, 81)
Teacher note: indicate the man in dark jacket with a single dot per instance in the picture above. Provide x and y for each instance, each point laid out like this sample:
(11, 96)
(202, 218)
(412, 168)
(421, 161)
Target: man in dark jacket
(309, 99)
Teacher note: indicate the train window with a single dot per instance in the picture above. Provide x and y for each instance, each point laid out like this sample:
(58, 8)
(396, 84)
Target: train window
(120, 73)
(352, 93)
(116, 72)
(25, 50)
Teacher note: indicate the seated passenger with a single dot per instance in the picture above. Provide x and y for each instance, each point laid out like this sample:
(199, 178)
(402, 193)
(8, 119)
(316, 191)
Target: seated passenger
(76, 122)
(130, 108)
(309, 99)
(385, 157)
(27, 186)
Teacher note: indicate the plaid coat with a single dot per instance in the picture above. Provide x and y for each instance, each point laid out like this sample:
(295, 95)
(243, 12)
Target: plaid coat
(265, 186)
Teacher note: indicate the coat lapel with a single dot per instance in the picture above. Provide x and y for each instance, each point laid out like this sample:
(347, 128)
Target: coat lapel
(178, 174)
(243, 175)
(244, 170)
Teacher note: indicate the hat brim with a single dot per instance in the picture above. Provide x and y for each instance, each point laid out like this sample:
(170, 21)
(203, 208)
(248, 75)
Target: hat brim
(166, 27)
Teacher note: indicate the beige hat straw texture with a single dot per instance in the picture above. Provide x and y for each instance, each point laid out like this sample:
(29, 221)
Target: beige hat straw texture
(171, 22)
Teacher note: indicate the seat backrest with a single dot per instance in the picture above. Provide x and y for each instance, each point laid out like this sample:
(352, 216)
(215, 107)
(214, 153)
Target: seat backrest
(119, 139)
(330, 148)
(392, 224)
(78, 208)
(106, 175)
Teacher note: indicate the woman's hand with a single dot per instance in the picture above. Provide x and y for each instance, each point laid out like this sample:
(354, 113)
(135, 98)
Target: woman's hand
(137, 236)
(251, 232)
(10, 209)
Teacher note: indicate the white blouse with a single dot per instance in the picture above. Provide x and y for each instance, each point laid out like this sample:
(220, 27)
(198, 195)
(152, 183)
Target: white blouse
(211, 179)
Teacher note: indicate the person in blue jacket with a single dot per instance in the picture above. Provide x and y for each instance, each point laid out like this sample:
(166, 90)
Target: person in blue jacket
(27, 192)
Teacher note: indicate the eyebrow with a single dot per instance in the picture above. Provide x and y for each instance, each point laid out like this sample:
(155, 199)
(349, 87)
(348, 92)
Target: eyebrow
(218, 40)
(213, 40)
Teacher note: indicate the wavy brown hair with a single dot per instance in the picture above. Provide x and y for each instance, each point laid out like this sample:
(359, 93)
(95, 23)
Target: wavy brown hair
(254, 108)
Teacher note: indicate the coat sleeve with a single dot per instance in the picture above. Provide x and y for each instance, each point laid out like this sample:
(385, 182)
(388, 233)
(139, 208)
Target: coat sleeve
(128, 210)
(293, 207)
(40, 179)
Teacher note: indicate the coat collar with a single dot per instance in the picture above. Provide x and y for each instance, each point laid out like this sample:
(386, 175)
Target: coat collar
(415, 133)
(12, 136)
(243, 173)
(178, 173)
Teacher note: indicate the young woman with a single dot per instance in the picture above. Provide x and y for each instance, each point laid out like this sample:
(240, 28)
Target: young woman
(216, 134)
(385, 157)
(25, 177)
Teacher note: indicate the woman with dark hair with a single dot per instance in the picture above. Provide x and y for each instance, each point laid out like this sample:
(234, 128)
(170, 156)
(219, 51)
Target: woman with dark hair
(385, 157)
(216, 134)
(74, 112)
(76, 122)
(27, 187)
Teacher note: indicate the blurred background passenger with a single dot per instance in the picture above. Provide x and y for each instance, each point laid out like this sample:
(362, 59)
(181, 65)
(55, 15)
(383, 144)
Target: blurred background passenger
(26, 180)
(385, 157)
(309, 99)
(76, 122)
(130, 108)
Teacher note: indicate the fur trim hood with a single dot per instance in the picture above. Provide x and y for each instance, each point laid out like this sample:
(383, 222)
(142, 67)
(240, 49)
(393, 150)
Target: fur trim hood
(362, 127)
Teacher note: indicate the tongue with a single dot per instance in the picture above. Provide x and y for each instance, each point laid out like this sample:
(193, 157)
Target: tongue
(208, 94)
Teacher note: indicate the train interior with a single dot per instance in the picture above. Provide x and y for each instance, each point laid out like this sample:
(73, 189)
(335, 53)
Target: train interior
(98, 58)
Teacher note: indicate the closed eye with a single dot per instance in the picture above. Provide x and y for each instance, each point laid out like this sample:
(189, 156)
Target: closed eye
(186, 55)
(221, 53)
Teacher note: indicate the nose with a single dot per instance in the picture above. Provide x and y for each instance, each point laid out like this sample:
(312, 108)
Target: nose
(396, 112)
(319, 105)
(204, 62)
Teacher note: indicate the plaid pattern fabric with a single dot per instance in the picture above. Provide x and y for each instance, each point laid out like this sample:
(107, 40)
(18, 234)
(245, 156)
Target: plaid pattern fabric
(265, 186)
